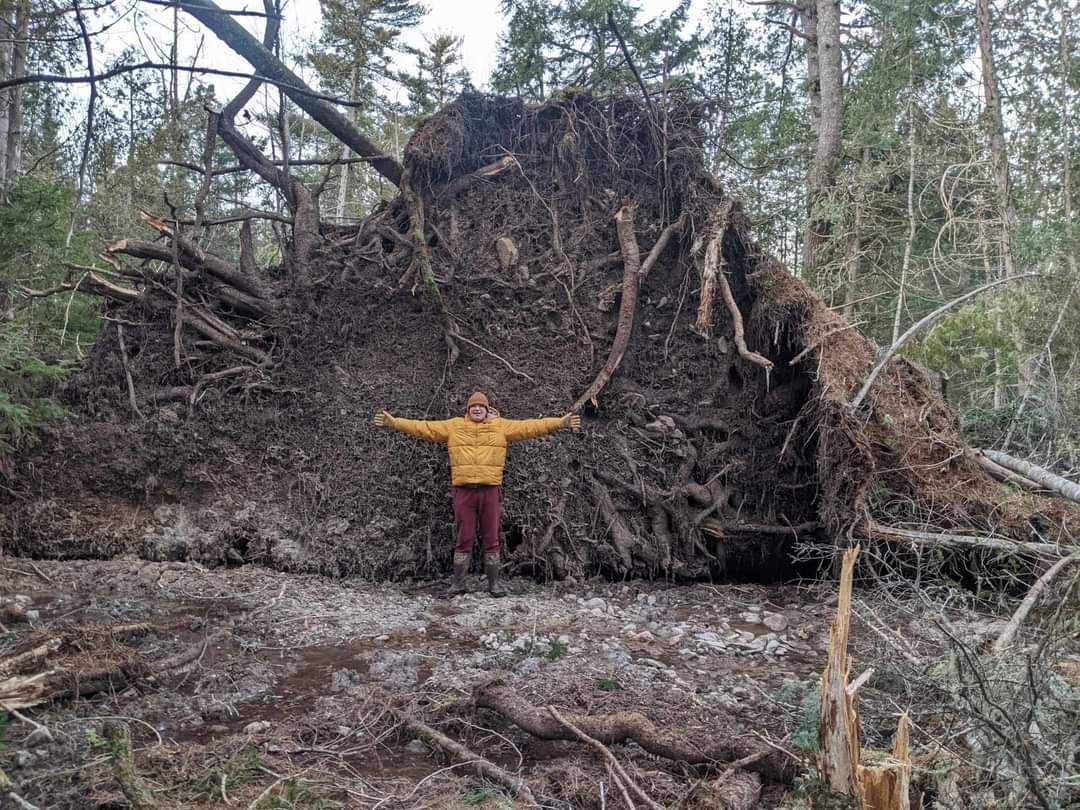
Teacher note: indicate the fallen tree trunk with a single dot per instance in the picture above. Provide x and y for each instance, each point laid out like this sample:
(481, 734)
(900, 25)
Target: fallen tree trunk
(1040, 475)
(1009, 633)
(992, 543)
(236, 37)
(754, 755)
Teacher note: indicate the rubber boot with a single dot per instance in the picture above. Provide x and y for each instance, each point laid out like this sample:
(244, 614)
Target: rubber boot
(461, 568)
(492, 568)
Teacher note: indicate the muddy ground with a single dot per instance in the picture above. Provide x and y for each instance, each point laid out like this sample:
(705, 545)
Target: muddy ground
(288, 706)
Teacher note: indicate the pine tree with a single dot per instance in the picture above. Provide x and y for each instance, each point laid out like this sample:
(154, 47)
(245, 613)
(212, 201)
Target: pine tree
(359, 41)
(439, 77)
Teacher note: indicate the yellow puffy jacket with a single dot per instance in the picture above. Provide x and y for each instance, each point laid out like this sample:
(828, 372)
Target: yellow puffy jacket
(477, 449)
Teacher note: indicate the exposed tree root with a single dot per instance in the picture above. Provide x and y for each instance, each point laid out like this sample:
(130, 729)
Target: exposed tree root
(740, 333)
(620, 774)
(422, 262)
(134, 789)
(635, 727)
(624, 225)
(459, 753)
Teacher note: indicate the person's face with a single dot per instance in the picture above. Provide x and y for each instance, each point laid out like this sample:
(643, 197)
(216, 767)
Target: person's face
(478, 413)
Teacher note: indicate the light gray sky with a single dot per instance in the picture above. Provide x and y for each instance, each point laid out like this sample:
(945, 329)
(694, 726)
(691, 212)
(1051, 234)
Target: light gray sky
(478, 22)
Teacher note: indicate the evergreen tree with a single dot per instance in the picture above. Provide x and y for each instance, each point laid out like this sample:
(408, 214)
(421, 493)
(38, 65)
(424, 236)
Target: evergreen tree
(439, 78)
(552, 46)
(354, 59)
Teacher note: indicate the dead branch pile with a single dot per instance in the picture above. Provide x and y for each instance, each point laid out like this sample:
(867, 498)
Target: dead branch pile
(566, 255)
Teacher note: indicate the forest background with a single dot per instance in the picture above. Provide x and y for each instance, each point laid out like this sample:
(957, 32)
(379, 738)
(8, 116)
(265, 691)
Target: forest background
(894, 155)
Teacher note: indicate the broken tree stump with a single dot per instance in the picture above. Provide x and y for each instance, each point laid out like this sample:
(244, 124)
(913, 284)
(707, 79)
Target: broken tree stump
(885, 784)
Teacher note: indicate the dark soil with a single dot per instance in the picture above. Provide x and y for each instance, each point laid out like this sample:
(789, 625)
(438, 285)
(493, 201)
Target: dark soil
(693, 463)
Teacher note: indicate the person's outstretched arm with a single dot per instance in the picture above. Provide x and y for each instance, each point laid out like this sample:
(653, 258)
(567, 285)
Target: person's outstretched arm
(518, 430)
(430, 430)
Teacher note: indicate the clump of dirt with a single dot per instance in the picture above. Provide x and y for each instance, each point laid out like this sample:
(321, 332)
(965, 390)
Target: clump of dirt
(695, 460)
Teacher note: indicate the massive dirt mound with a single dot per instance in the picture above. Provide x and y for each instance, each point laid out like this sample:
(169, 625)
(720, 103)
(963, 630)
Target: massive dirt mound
(699, 456)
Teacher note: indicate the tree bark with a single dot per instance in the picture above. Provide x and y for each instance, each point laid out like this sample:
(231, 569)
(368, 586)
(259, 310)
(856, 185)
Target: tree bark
(343, 187)
(909, 244)
(12, 148)
(827, 62)
(237, 38)
(7, 29)
(853, 252)
(1039, 475)
(999, 158)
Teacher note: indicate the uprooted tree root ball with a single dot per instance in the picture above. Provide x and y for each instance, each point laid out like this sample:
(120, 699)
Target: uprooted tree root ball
(569, 253)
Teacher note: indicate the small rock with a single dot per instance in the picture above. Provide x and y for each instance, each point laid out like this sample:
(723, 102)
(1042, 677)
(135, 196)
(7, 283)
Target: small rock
(23, 759)
(21, 598)
(381, 639)
(596, 603)
(416, 747)
(777, 622)
(645, 635)
(629, 629)
(343, 679)
(39, 736)
(169, 416)
(652, 662)
(709, 638)
(217, 729)
(257, 727)
(507, 251)
(33, 615)
(773, 647)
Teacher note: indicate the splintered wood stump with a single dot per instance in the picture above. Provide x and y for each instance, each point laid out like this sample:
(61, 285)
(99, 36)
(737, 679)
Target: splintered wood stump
(883, 785)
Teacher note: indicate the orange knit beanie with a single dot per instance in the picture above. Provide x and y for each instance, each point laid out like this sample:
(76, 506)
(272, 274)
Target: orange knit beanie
(478, 398)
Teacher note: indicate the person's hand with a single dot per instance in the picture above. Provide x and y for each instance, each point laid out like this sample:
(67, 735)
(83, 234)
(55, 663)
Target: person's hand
(382, 419)
(571, 420)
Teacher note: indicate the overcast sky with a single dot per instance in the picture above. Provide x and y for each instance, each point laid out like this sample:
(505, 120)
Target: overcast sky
(478, 22)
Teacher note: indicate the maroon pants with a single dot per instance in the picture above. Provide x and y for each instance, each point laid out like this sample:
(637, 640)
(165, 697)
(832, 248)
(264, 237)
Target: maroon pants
(477, 507)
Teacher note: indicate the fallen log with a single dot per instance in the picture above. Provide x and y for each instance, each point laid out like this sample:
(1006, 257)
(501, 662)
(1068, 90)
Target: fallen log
(989, 543)
(1004, 475)
(1040, 475)
(771, 765)
(236, 37)
(1009, 633)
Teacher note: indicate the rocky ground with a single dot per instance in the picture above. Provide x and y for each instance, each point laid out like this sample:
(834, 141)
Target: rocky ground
(288, 702)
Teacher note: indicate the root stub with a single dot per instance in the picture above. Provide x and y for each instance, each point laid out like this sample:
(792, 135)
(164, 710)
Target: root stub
(619, 727)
